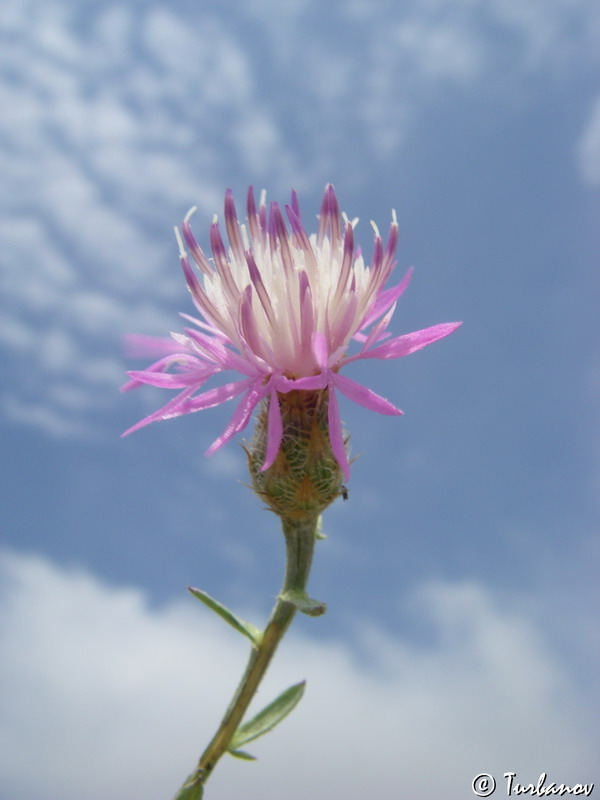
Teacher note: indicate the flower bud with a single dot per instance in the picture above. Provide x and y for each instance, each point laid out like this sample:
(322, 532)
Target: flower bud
(305, 476)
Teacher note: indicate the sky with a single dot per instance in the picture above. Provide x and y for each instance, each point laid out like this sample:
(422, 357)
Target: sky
(460, 576)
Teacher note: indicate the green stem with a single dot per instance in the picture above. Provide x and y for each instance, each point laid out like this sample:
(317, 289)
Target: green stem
(300, 537)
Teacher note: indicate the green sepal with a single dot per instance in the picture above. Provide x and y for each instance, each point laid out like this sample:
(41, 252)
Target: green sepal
(192, 789)
(247, 628)
(304, 603)
(242, 754)
(268, 718)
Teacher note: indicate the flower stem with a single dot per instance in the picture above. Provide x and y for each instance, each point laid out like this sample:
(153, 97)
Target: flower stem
(300, 537)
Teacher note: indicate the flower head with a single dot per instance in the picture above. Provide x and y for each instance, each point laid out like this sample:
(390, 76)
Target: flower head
(281, 308)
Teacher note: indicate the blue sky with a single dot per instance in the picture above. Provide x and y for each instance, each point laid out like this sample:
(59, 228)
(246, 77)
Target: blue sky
(461, 576)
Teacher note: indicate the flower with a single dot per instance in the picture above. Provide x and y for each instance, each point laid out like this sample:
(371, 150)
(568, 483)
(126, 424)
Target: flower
(281, 308)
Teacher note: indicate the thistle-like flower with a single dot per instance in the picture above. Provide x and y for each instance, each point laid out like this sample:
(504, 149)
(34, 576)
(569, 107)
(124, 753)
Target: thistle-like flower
(281, 308)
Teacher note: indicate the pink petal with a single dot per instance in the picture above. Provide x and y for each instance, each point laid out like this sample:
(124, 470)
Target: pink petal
(346, 263)
(216, 396)
(336, 356)
(336, 437)
(278, 239)
(309, 383)
(295, 204)
(158, 366)
(252, 215)
(233, 228)
(377, 332)
(258, 284)
(222, 263)
(137, 345)
(390, 248)
(376, 273)
(254, 354)
(344, 325)
(404, 345)
(306, 317)
(241, 417)
(195, 248)
(363, 396)
(167, 380)
(217, 351)
(329, 218)
(167, 411)
(320, 349)
(210, 328)
(275, 431)
(212, 349)
(385, 299)
(301, 239)
(262, 222)
(201, 301)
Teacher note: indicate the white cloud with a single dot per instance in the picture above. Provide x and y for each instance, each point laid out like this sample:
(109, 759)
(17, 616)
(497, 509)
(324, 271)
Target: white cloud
(545, 34)
(111, 126)
(115, 126)
(40, 414)
(588, 148)
(551, 34)
(204, 55)
(16, 335)
(363, 82)
(440, 51)
(108, 697)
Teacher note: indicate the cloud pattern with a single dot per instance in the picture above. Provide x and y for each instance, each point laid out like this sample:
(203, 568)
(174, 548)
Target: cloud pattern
(118, 117)
(112, 705)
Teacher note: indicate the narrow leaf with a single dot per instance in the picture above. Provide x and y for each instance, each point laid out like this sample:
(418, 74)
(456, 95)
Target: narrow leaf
(247, 628)
(304, 603)
(242, 754)
(269, 717)
(192, 789)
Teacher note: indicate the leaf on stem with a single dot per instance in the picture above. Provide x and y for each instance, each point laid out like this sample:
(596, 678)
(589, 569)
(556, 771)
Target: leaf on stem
(266, 719)
(247, 628)
(242, 754)
(192, 789)
(304, 603)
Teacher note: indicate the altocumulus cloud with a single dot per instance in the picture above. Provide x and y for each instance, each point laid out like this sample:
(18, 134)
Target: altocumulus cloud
(118, 118)
(108, 697)
(100, 141)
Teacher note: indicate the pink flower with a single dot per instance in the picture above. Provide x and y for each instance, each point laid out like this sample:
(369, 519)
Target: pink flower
(281, 307)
